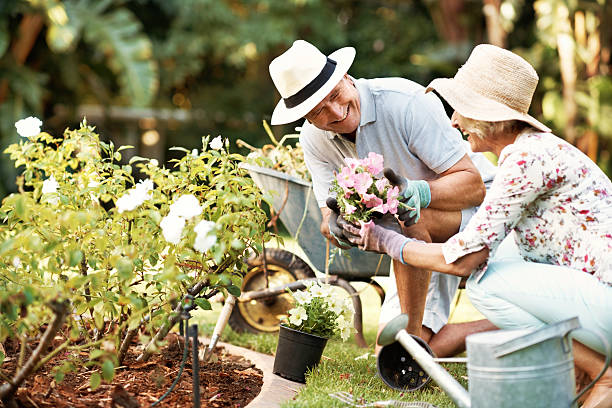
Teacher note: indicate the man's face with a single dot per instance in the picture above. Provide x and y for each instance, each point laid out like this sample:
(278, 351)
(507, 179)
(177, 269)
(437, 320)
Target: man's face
(339, 111)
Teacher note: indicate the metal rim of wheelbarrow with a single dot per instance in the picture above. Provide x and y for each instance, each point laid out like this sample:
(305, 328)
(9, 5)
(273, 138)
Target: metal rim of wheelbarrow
(266, 320)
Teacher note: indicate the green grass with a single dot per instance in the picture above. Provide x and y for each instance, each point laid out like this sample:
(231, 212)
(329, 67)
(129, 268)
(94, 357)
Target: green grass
(338, 370)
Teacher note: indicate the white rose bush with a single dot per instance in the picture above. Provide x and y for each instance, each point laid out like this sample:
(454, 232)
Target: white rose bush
(93, 256)
(321, 311)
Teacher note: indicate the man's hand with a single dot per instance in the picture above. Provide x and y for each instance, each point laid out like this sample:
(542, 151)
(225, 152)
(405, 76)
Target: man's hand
(382, 235)
(334, 229)
(414, 193)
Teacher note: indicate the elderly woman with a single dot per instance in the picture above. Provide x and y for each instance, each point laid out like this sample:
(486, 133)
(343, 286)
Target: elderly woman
(558, 202)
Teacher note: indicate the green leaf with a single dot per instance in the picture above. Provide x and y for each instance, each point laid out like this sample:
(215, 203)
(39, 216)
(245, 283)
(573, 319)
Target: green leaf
(108, 370)
(203, 303)
(59, 376)
(95, 380)
(120, 36)
(76, 257)
(2, 356)
(4, 37)
(234, 290)
(125, 268)
(99, 320)
(95, 353)
(20, 207)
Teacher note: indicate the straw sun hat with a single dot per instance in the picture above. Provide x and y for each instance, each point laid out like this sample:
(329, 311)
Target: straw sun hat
(304, 76)
(493, 85)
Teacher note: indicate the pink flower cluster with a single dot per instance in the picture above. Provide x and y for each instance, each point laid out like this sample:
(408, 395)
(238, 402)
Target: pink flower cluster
(360, 193)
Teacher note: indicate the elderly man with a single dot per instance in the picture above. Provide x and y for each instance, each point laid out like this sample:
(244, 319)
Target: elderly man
(394, 117)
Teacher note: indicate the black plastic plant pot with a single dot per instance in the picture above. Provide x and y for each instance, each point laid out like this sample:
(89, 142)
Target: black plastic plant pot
(397, 368)
(296, 353)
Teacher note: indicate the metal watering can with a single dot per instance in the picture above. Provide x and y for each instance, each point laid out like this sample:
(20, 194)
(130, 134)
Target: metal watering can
(506, 368)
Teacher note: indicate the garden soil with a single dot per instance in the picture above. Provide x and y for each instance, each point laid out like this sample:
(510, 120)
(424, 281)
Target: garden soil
(225, 381)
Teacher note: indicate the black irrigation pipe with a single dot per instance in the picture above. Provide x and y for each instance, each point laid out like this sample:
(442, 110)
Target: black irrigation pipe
(188, 305)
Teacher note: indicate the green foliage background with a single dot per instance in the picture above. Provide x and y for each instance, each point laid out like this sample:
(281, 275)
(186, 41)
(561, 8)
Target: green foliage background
(209, 58)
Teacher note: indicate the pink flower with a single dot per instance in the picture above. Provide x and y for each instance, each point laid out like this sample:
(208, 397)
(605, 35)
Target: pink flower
(392, 206)
(352, 163)
(381, 184)
(371, 201)
(392, 193)
(374, 163)
(345, 178)
(383, 208)
(365, 226)
(392, 201)
(350, 209)
(362, 181)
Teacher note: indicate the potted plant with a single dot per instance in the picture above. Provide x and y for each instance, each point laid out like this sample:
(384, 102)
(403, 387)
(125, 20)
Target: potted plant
(319, 314)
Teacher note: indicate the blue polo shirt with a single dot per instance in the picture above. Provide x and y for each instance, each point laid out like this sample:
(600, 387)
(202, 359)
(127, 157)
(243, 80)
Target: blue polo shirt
(408, 127)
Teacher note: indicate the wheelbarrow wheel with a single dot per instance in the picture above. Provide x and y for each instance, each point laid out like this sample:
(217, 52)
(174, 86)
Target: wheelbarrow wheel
(263, 315)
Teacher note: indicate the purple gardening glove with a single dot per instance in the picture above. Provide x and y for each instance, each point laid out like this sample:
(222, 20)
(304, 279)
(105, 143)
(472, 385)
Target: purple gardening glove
(381, 235)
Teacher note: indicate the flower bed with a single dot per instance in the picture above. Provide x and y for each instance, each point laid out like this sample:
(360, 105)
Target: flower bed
(99, 260)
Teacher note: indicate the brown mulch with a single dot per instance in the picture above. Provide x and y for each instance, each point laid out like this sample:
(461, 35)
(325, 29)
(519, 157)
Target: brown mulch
(225, 381)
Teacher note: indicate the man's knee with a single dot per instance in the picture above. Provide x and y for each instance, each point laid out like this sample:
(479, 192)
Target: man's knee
(417, 231)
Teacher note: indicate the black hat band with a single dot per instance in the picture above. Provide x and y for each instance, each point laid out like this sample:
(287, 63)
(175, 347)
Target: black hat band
(314, 85)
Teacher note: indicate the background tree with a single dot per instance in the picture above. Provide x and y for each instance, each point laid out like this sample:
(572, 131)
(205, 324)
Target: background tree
(181, 69)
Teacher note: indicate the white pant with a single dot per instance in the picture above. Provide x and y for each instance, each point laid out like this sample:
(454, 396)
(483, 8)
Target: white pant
(517, 294)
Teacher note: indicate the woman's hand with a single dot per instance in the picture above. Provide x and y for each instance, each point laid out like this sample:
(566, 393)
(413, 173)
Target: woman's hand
(382, 235)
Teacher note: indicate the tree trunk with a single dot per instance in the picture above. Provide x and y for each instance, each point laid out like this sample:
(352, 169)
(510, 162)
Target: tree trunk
(495, 30)
(29, 28)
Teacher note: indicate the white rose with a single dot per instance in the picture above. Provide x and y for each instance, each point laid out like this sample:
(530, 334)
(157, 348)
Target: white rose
(134, 197)
(187, 206)
(217, 143)
(28, 127)
(16, 262)
(205, 236)
(172, 228)
(144, 187)
(50, 186)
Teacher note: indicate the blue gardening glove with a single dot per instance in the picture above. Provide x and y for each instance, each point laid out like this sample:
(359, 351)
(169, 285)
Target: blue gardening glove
(414, 193)
(384, 236)
(335, 230)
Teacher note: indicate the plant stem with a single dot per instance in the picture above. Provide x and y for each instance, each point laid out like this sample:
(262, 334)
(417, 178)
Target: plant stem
(172, 320)
(60, 309)
(51, 355)
(22, 350)
(125, 344)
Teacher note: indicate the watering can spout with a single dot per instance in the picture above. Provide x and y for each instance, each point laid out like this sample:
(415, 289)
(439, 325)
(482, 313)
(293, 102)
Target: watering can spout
(395, 331)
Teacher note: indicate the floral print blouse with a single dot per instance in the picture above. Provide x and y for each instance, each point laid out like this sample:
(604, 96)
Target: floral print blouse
(556, 199)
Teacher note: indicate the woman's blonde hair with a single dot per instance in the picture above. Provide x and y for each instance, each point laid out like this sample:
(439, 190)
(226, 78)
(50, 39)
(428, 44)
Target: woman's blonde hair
(483, 129)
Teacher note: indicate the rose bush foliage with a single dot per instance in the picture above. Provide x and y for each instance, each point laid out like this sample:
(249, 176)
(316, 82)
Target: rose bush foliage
(82, 229)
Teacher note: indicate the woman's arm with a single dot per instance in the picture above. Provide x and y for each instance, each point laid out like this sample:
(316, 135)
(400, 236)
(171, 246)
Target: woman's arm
(429, 256)
(373, 237)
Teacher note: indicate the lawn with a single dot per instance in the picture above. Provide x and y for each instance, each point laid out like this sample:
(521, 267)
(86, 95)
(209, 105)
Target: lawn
(344, 366)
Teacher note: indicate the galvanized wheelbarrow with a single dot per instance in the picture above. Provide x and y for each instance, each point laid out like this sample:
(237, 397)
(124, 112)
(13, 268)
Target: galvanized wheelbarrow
(264, 300)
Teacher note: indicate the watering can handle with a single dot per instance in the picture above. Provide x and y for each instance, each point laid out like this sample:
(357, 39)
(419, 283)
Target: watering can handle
(559, 329)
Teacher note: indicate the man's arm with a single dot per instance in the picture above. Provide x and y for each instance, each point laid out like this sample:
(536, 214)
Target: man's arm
(325, 213)
(458, 187)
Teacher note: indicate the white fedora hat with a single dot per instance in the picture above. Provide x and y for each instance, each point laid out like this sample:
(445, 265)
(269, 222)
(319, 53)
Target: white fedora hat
(303, 76)
(493, 85)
